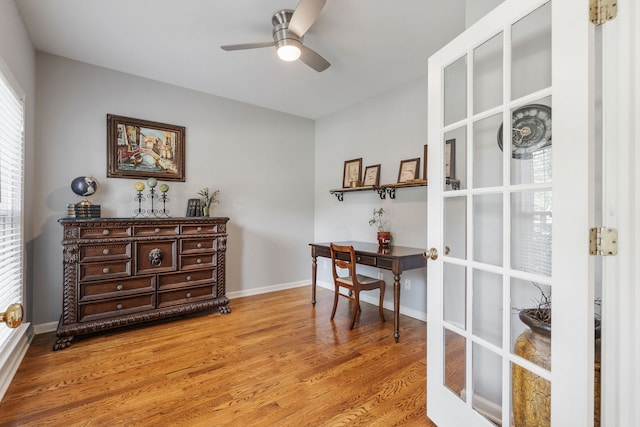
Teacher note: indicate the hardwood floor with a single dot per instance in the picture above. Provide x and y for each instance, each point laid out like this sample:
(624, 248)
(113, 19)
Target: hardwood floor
(274, 361)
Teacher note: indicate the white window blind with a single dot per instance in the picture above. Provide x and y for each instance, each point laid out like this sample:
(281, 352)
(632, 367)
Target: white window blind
(11, 191)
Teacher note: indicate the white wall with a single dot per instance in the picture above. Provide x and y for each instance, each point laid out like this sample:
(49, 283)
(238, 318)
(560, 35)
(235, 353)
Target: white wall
(387, 129)
(261, 160)
(18, 53)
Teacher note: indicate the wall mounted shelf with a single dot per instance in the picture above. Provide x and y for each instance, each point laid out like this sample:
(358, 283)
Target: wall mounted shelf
(389, 189)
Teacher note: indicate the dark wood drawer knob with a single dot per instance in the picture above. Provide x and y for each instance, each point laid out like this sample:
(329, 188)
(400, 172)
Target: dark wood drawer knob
(155, 257)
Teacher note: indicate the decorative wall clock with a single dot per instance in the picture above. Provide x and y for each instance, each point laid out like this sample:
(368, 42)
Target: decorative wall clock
(530, 130)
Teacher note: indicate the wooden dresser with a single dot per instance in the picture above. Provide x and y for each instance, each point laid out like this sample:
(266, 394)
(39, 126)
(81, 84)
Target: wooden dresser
(124, 271)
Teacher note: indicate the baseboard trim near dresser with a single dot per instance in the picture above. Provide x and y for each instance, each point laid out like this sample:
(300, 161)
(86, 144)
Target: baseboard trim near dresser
(267, 289)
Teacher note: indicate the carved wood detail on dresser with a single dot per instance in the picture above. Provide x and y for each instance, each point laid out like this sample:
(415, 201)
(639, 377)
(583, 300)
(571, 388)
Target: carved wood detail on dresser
(123, 271)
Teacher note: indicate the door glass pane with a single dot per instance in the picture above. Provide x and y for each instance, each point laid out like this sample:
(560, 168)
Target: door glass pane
(455, 159)
(487, 154)
(455, 362)
(487, 306)
(455, 295)
(529, 340)
(455, 226)
(531, 222)
(531, 159)
(487, 384)
(531, 398)
(455, 91)
(487, 228)
(487, 74)
(531, 52)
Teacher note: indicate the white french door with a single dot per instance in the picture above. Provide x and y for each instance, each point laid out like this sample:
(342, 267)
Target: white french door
(510, 204)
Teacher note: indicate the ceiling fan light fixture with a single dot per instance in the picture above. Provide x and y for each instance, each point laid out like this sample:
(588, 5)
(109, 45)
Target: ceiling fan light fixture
(289, 50)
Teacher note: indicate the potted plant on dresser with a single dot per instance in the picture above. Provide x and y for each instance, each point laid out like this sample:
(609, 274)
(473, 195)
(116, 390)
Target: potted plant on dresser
(384, 235)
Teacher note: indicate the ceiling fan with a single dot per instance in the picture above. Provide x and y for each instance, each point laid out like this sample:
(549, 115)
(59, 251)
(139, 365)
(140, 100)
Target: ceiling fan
(289, 28)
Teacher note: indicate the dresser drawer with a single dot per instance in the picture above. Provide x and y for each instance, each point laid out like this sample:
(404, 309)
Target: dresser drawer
(105, 270)
(156, 256)
(184, 296)
(188, 246)
(156, 230)
(105, 252)
(91, 291)
(182, 280)
(199, 229)
(189, 262)
(116, 307)
(104, 232)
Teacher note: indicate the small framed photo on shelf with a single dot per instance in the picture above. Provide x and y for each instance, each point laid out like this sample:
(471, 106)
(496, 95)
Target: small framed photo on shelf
(409, 170)
(450, 159)
(352, 175)
(371, 176)
(424, 166)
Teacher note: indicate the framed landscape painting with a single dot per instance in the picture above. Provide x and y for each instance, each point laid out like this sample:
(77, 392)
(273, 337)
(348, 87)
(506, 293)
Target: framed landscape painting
(143, 149)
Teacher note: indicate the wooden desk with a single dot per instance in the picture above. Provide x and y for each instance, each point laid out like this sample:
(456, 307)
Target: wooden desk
(395, 258)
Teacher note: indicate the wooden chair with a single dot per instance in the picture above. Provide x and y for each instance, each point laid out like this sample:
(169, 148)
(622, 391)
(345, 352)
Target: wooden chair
(344, 257)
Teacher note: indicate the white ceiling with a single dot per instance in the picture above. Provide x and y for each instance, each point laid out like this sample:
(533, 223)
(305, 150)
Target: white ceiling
(373, 45)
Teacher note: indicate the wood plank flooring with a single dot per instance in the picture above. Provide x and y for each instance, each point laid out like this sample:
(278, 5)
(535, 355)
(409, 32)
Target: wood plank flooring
(274, 361)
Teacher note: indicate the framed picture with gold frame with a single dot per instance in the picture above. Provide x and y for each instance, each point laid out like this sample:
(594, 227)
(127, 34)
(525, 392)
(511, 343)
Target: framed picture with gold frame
(143, 149)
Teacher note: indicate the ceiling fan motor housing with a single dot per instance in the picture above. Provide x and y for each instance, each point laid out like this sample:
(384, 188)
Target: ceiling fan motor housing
(282, 36)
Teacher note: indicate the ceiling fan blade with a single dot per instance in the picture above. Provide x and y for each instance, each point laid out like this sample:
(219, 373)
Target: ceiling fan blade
(305, 15)
(313, 60)
(247, 46)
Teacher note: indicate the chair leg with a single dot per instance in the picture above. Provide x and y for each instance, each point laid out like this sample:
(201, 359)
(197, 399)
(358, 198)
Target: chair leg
(356, 308)
(335, 302)
(381, 303)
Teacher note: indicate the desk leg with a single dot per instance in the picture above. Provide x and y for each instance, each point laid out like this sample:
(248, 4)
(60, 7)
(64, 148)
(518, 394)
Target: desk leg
(396, 307)
(314, 270)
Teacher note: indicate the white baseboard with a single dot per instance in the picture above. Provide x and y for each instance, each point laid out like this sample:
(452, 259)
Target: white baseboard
(267, 289)
(387, 304)
(45, 327)
(13, 354)
(52, 326)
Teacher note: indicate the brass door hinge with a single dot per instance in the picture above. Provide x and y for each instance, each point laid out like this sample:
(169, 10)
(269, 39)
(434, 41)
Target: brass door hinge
(601, 11)
(603, 241)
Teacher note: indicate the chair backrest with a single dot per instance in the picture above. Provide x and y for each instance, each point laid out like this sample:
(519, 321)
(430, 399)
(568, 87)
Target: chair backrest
(338, 261)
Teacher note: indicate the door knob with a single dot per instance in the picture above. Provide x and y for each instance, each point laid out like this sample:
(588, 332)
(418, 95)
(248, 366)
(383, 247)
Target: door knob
(13, 316)
(430, 254)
